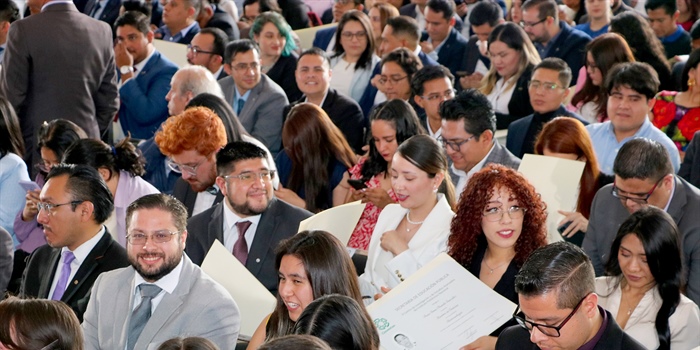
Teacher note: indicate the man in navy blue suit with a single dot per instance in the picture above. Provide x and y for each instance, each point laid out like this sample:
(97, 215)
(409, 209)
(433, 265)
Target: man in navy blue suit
(179, 21)
(145, 76)
(443, 42)
(325, 38)
(104, 10)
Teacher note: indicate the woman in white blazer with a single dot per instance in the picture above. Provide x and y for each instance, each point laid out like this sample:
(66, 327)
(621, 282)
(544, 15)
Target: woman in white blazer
(414, 231)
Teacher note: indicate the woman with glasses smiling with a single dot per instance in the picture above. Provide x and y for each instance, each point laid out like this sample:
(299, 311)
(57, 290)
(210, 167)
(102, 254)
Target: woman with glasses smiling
(499, 222)
(643, 286)
(398, 68)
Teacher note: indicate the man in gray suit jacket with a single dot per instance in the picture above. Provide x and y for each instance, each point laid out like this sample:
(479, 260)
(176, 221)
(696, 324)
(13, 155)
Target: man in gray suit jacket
(179, 298)
(468, 128)
(257, 100)
(59, 63)
(644, 176)
(245, 179)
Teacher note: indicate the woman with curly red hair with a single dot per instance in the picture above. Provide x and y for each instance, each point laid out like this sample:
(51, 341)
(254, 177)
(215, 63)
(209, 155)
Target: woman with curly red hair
(499, 221)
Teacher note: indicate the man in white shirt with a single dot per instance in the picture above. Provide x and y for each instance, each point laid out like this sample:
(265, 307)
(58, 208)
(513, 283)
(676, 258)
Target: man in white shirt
(431, 86)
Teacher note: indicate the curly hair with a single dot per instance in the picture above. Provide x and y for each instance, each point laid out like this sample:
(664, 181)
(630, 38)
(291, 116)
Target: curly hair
(197, 129)
(466, 225)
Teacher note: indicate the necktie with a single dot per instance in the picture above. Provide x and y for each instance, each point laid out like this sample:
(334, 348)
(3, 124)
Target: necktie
(239, 106)
(68, 258)
(240, 249)
(95, 9)
(140, 315)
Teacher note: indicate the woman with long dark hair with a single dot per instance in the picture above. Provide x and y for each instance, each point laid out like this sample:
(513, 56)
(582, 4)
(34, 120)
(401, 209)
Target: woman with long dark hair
(39, 324)
(644, 280)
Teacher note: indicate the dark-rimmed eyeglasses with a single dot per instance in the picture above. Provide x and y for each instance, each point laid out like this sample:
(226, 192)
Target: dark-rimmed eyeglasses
(530, 25)
(550, 331)
(455, 145)
(641, 198)
(394, 80)
(140, 238)
(49, 207)
(196, 50)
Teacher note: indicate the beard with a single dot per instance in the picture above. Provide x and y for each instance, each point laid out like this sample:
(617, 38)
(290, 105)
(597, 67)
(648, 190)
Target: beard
(154, 273)
(246, 209)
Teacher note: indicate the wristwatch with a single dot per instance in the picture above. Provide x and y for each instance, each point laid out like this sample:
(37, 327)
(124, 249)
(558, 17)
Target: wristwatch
(126, 69)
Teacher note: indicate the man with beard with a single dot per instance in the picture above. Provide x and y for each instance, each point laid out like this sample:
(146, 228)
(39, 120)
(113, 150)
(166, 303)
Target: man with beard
(251, 221)
(162, 294)
(74, 204)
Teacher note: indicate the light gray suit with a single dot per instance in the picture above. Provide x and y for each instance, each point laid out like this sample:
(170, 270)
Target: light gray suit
(262, 113)
(499, 155)
(198, 307)
(60, 64)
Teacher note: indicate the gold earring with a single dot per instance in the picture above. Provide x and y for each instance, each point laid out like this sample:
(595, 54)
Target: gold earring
(691, 82)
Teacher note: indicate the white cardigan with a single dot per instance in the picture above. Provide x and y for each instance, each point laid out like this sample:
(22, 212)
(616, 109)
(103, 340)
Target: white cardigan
(429, 241)
(684, 323)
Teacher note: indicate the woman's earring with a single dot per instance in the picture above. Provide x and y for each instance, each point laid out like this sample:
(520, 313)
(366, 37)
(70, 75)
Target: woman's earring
(691, 82)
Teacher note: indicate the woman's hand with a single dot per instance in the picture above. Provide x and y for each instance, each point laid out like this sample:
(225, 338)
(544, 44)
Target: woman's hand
(486, 342)
(378, 196)
(393, 243)
(577, 222)
(30, 210)
(384, 291)
(290, 197)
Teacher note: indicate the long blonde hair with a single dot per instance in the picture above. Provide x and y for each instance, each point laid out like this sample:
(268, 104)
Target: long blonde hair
(515, 38)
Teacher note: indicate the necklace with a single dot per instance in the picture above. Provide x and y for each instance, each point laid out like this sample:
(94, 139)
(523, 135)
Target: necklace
(493, 268)
(408, 220)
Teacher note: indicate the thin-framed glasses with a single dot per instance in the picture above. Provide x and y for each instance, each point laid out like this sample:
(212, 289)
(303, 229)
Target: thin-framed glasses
(244, 67)
(179, 168)
(536, 84)
(438, 96)
(357, 35)
(394, 80)
(642, 197)
(550, 331)
(496, 213)
(455, 145)
(49, 207)
(140, 238)
(251, 177)
(196, 50)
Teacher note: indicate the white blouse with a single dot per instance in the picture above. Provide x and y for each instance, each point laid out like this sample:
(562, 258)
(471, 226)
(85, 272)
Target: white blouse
(501, 94)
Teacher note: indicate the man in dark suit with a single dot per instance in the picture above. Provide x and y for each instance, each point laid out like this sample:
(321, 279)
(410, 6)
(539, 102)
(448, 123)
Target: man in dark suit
(145, 76)
(257, 100)
(468, 128)
(644, 176)
(6, 259)
(552, 37)
(556, 292)
(75, 202)
(313, 75)
(441, 39)
(47, 74)
(548, 89)
(211, 16)
(179, 21)
(251, 221)
(325, 38)
(104, 10)
(431, 86)
(483, 18)
(207, 50)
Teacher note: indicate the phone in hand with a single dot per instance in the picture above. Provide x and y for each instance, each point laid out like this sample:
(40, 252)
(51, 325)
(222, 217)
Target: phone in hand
(29, 185)
(357, 184)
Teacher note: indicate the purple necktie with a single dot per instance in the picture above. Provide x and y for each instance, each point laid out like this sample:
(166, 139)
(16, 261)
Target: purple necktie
(68, 258)
(240, 249)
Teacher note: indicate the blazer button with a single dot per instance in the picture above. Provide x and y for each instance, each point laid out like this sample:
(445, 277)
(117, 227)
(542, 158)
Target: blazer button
(257, 260)
(75, 282)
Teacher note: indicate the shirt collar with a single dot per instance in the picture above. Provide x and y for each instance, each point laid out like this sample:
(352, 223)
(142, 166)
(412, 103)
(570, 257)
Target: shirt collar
(231, 218)
(673, 37)
(167, 282)
(244, 97)
(306, 99)
(139, 66)
(84, 249)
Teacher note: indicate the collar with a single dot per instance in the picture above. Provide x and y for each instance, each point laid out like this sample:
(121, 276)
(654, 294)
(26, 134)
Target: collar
(186, 30)
(84, 249)
(417, 50)
(231, 218)
(642, 129)
(670, 198)
(238, 96)
(481, 163)
(55, 2)
(673, 37)
(167, 282)
(591, 344)
(218, 72)
(139, 66)
(306, 99)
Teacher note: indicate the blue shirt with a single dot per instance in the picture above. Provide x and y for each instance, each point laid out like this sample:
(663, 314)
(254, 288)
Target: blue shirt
(673, 37)
(12, 170)
(586, 28)
(606, 146)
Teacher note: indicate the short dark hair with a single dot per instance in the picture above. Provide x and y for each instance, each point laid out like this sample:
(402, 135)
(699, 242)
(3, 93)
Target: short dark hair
(446, 7)
(638, 76)
(427, 74)
(164, 202)
(234, 152)
(545, 8)
(124, 156)
(692, 62)
(58, 134)
(220, 40)
(669, 6)
(317, 52)
(239, 46)
(404, 26)
(136, 19)
(407, 60)
(558, 267)
(558, 65)
(8, 11)
(86, 184)
(474, 108)
(695, 30)
(196, 4)
(485, 12)
(189, 343)
(295, 342)
(642, 158)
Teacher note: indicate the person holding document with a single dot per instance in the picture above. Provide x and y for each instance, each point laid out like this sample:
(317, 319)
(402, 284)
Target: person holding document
(310, 264)
(500, 221)
(414, 231)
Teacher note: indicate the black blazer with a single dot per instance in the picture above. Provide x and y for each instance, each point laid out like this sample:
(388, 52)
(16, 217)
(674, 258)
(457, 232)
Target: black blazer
(453, 51)
(345, 114)
(690, 168)
(109, 14)
(223, 21)
(519, 105)
(518, 140)
(280, 221)
(472, 56)
(282, 73)
(184, 193)
(38, 276)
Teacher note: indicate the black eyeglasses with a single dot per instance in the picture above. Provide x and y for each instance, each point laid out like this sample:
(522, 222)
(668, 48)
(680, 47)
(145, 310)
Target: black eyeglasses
(550, 331)
(642, 197)
(196, 50)
(455, 145)
(525, 24)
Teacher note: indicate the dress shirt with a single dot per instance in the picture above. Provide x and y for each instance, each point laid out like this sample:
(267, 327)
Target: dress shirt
(237, 96)
(465, 176)
(543, 49)
(138, 67)
(231, 231)
(343, 73)
(167, 36)
(501, 94)
(166, 283)
(80, 254)
(204, 201)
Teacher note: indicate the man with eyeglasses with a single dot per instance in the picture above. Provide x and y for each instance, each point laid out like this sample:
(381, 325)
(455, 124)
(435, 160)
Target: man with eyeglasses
(431, 86)
(468, 128)
(313, 77)
(74, 204)
(548, 90)
(144, 75)
(162, 295)
(559, 307)
(207, 50)
(251, 221)
(552, 37)
(257, 100)
(644, 176)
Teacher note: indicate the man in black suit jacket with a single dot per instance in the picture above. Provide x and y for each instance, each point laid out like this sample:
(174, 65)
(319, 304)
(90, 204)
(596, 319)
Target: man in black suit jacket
(106, 10)
(556, 292)
(75, 202)
(245, 179)
(207, 50)
(211, 16)
(313, 75)
(441, 36)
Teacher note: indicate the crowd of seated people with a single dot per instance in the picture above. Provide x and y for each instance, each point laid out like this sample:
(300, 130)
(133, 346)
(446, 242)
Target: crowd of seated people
(119, 170)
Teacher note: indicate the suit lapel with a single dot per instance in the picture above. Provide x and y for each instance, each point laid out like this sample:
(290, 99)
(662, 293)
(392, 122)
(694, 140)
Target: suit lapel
(92, 261)
(47, 279)
(250, 103)
(263, 238)
(215, 229)
(124, 296)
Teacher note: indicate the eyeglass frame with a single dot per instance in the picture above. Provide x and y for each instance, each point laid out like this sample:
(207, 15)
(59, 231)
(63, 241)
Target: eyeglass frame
(255, 176)
(195, 50)
(245, 67)
(384, 80)
(488, 216)
(526, 25)
(178, 168)
(615, 191)
(456, 146)
(49, 207)
(357, 35)
(523, 322)
(548, 87)
(432, 98)
(151, 237)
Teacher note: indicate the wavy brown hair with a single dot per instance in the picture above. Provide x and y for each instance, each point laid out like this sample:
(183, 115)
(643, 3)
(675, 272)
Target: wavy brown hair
(466, 224)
